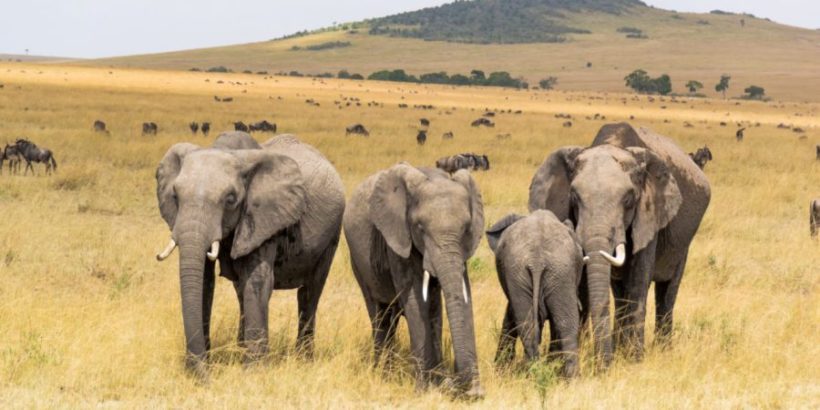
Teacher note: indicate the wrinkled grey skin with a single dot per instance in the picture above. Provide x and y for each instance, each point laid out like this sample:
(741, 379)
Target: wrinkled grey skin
(232, 140)
(539, 262)
(399, 223)
(814, 217)
(276, 212)
(631, 187)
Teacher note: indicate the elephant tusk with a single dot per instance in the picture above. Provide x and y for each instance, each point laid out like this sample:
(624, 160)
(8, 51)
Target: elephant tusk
(464, 289)
(619, 258)
(425, 284)
(214, 253)
(586, 260)
(167, 251)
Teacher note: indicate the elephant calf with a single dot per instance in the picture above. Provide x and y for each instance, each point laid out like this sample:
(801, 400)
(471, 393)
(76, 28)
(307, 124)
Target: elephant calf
(539, 262)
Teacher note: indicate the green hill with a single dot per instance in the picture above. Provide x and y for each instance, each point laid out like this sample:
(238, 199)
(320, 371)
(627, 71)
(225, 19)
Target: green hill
(589, 45)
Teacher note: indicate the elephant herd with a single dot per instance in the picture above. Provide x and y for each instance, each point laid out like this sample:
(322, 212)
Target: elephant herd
(616, 215)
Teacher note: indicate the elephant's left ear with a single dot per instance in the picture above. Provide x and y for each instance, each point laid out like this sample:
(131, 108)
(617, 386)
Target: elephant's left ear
(275, 199)
(660, 199)
(464, 178)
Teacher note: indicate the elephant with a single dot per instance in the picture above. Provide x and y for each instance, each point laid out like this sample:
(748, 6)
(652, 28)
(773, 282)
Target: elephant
(275, 212)
(814, 217)
(233, 140)
(410, 232)
(636, 192)
(539, 262)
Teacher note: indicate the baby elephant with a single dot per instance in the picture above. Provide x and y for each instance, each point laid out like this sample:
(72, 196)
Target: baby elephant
(539, 262)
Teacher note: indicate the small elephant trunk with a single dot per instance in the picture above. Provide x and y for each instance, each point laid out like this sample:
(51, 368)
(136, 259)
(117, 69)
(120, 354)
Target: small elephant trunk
(455, 285)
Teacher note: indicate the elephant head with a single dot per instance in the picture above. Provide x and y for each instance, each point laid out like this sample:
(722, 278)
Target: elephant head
(618, 199)
(238, 198)
(441, 218)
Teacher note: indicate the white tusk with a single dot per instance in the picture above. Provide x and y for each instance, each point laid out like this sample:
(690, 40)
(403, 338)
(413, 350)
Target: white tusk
(425, 284)
(464, 288)
(586, 260)
(212, 255)
(619, 258)
(167, 252)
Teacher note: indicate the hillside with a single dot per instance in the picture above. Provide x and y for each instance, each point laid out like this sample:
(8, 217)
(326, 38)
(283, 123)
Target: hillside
(687, 46)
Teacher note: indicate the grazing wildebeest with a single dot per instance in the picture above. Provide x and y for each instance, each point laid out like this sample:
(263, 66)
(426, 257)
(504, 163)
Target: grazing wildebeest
(12, 154)
(31, 152)
(421, 137)
(701, 156)
(739, 134)
(817, 148)
(206, 128)
(424, 122)
(262, 126)
(483, 122)
(149, 128)
(467, 161)
(99, 126)
(194, 126)
(357, 129)
(240, 126)
(814, 217)
(227, 99)
(447, 135)
(567, 124)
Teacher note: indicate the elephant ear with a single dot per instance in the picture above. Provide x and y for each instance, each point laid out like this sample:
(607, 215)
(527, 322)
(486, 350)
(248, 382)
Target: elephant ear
(388, 206)
(275, 199)
(549, 188)
(166, 174)
(660, 199)
(495, 231)
(476, 211)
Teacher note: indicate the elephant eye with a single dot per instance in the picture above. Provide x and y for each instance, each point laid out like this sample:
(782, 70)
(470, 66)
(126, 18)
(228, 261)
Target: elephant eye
(231, 199)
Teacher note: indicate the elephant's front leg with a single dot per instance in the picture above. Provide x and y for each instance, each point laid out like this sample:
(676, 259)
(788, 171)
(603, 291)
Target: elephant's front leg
(256, 282)
(240, 337)
(636, 286)
(417, 313)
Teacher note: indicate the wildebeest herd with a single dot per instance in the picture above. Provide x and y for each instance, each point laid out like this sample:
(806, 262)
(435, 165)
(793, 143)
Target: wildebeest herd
(26, 151)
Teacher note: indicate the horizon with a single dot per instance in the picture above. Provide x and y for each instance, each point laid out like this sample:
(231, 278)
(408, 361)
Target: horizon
(107, 26)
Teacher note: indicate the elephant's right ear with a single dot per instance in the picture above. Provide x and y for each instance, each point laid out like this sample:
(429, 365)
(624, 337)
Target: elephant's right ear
(495, 231)
(167, 173)
(388, 206)
(549, 188)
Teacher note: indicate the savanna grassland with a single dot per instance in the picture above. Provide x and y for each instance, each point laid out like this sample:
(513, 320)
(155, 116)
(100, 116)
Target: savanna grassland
(89, 318)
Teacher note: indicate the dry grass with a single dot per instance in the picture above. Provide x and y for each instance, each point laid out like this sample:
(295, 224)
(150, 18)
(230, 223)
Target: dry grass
(89, 318)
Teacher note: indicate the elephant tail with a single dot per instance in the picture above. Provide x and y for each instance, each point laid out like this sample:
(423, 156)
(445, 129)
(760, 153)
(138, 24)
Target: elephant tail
(536, 296)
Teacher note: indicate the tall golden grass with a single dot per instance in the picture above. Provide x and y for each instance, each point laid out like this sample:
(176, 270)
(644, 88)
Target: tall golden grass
(89, 318)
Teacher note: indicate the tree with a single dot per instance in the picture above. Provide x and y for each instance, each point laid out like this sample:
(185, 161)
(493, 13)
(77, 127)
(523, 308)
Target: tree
(723, 85)
(343, 74)
(548, 83)
(459, 79)
(435, 78)
(663, 85)
(641, 82)
(754, 92)
(694, 86)
(477, 77)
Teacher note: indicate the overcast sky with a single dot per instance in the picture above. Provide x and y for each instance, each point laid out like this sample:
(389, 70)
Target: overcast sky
(101, 28)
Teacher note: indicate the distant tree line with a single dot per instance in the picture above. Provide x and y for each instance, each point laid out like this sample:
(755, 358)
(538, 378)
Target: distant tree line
(323, 46)
(476, 77)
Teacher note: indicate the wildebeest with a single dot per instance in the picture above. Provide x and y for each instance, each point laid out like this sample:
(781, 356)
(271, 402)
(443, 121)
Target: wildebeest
(483, 122)
(194, 126)
(99, 126)
(567, 124)
(470, 161)
(449, 135)
(357, 129)
(206, 128)
(32, 153)
(818, 151)
(814, 217)
(11, 154)
(421, 137)
(262, 126)
(149, 128)
(739, 134)
(701, 156)
(424, 122)
(240, 126)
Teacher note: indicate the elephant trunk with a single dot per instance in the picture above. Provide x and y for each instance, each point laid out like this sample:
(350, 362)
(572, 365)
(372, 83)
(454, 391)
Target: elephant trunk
(454, 283)
(192, 249)
(598, 283)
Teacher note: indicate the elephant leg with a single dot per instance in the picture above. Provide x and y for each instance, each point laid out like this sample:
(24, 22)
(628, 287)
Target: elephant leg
(564, 322)
(436, 321)
(506, 341)
(240, 337)
(421, 341)
(665, 295)
(636, 283)
(384, 319)
(527, 322)
(621, 307)
(308, 298)
(208, 301)
(256, 291)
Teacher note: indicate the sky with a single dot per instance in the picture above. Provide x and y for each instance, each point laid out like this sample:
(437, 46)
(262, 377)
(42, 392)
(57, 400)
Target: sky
(104, 28)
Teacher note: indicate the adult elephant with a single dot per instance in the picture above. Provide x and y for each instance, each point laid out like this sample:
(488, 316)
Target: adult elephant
(636, 192)
(275, 212)
(410, 232)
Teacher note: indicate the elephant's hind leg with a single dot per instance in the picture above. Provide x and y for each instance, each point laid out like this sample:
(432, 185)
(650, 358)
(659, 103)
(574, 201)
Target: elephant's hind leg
(665, 295)
(308, 298)
(506, 341)
(385, 320)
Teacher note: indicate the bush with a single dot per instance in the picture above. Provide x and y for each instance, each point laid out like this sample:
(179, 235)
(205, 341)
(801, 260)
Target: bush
(219, 69)
(640, 81)
(343, 74)
(323, 46)
(754, 92)
(356, 77)
(548, 83)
